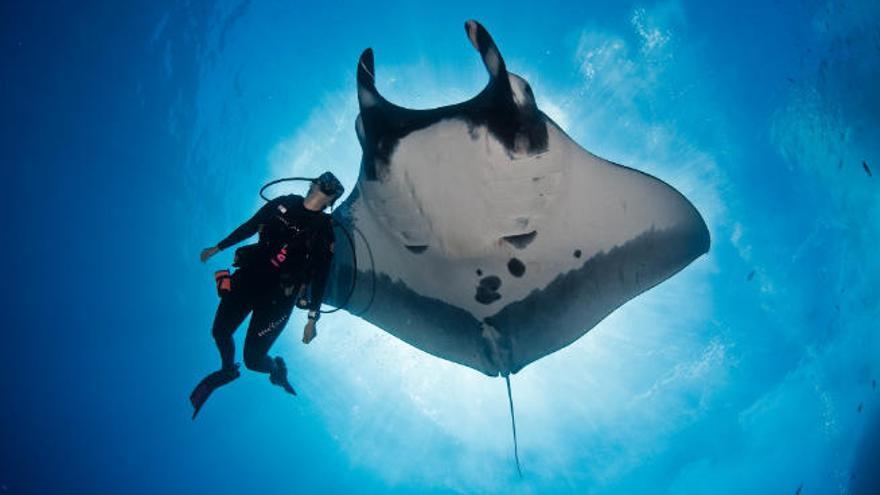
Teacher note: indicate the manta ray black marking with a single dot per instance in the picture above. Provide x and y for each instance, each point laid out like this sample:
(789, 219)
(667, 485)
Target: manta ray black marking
(490, 238)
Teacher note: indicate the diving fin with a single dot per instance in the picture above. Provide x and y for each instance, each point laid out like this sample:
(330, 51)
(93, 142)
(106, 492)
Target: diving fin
(279, 376)
(210, 383)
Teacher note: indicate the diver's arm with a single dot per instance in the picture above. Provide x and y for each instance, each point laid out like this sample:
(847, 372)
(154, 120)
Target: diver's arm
(318, 279)
(320, 271)
(250, 227)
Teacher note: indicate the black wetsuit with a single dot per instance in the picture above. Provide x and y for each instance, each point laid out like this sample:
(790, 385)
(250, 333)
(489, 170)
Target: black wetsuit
(295, 248)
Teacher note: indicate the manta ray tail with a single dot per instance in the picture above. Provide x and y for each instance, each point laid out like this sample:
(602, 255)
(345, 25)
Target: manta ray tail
(513, 425)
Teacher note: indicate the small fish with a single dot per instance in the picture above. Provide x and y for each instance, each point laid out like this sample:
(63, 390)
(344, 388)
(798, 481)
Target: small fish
(798, 491)
(751, 275)
(860, 407)
(867, 168)
(874, 384)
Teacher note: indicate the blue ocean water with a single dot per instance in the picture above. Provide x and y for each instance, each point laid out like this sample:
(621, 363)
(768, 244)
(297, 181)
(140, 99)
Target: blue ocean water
(136, 133)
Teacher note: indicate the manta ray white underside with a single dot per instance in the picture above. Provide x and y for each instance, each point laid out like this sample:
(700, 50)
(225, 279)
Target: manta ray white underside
(489, 237)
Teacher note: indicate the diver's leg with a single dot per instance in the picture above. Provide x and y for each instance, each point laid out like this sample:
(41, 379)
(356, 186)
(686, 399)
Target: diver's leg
(231, 312)
(267, 323)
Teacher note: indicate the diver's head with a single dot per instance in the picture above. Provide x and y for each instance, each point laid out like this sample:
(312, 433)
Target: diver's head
(325, 190)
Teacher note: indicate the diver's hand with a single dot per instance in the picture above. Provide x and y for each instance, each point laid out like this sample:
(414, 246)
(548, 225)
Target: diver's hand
(208, 252)
(309, 332)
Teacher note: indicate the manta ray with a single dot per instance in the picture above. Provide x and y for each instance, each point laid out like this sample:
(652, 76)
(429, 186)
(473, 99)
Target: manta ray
(486, 236)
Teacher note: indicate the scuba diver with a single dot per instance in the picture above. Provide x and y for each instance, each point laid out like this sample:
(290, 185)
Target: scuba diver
(287, 267)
